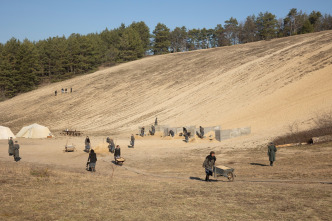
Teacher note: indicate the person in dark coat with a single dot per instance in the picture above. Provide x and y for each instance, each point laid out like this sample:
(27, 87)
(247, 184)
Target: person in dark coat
(185, 131)
(71, 90)
(87, 144)
(132, 141)
(111, 146)
(201, 130)
(92, 160)
(17, 151)
(271, 152)
(142, 131)
(153, 130)
(208, 164)
(55, 93)
(117, 152)
(11, 150)
(156, 121)
(171, 133)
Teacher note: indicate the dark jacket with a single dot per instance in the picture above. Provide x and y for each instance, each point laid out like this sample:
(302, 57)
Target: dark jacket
(209, 162)
(117, 152)
(271, 152)
(92, 158)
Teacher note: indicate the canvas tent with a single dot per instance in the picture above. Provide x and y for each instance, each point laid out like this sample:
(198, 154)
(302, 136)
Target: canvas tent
(34, 131)
(5, 133)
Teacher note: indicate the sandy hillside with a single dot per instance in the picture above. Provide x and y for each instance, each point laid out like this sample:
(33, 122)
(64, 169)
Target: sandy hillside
(265, 85)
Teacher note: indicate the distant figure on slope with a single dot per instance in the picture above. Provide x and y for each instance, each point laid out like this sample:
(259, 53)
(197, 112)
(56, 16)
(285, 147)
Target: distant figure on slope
(71, 90)
(184, 130)
(142, 131)
(186, 135)
(208, 164)
(108, 140)
(156, 121)
(117, 152)
(92, 160)
(271, 152)
(62, 90)
(55, 92)
(17, 151)
(152, 131)
(11, 149)
(132, 141)
(87, 144)
(171, 133)
(66, 90)
(200, 134)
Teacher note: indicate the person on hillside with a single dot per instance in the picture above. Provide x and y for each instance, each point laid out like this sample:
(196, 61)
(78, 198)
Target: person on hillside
(271, 152)
(111, 146)
(142, 131)
(117, 152)
(17, 151)
(184, 131)
(108, 140)
(11, 150)
(92, 160)
(208, 164)
(55, 92)
(156, 121)
(65, 90)
(171, 133)
(153, 130)
(71, 90)
(132, 141)
(62, 90)
(87, 144)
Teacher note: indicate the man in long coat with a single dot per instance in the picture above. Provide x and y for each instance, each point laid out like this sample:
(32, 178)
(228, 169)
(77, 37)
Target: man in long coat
(11, 147)
(271, 152)
(208, 164)
(17, 151)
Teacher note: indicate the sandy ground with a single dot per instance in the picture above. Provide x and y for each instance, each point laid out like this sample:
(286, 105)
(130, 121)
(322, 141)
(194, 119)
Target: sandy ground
(266, 85)
(162, 180)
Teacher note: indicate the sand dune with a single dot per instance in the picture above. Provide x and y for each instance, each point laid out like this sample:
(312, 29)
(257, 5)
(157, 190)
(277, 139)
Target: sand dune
(265, 85)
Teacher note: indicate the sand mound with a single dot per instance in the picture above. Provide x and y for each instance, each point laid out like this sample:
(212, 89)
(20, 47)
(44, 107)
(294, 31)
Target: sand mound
(265, 85)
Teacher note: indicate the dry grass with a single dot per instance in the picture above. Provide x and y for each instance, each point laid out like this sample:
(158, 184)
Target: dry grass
(288, 191)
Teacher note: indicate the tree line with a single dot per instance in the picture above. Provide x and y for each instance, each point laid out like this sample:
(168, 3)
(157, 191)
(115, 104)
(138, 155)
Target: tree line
(24, 65)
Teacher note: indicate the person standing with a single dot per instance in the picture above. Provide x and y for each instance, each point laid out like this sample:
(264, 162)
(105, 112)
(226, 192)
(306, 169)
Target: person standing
(208, 164)
(271, 152)
(117, 152)
(62, 90)
(92, 160)
(11, 150)
(201, 130)
(71, 90)
(142, 131)
(55, 92)
(152, 131)
(111, 146)
(87, 144)
(156, 122)
(17, 151)
(132, 141)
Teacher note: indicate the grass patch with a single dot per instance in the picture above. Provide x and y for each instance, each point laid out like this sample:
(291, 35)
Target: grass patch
(40, 172)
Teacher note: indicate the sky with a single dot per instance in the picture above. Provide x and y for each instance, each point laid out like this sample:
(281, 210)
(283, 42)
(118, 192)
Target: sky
(40, 19)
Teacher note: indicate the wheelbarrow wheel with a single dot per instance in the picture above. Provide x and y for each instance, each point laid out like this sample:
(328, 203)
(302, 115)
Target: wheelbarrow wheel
(230, 177)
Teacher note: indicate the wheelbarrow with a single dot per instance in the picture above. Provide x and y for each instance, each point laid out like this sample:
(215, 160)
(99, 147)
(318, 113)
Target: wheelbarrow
(119, 161)
(224, 171)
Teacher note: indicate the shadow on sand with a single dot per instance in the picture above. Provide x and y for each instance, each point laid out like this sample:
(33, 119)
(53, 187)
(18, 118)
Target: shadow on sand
(259, 164)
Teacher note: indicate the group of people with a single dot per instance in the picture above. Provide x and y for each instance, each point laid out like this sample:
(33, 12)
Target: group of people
(210, 160)
(14, 149)
(63, 90)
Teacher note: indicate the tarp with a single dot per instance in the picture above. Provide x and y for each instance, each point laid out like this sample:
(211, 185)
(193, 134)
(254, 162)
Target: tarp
(5, 133)
(34, 131)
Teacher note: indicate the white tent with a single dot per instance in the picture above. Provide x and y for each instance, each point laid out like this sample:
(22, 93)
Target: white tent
(34, 131)
(5, 133)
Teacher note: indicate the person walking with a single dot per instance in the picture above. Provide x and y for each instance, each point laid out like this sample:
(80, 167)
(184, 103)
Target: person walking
(11, 150)
(87, 144)
(92, 160)
(132, 141)
(208, 164)
(17, 151)
(271, 152)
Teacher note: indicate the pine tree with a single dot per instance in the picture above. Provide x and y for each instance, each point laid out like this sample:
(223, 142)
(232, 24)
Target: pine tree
(161, 42)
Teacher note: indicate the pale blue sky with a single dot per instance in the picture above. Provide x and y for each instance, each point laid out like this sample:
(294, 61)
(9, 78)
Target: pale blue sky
(40, 19)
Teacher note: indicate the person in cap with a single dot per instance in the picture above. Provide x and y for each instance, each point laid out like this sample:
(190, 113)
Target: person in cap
(271, 152)
(11, 150)
(208, 164)
(17, 151)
